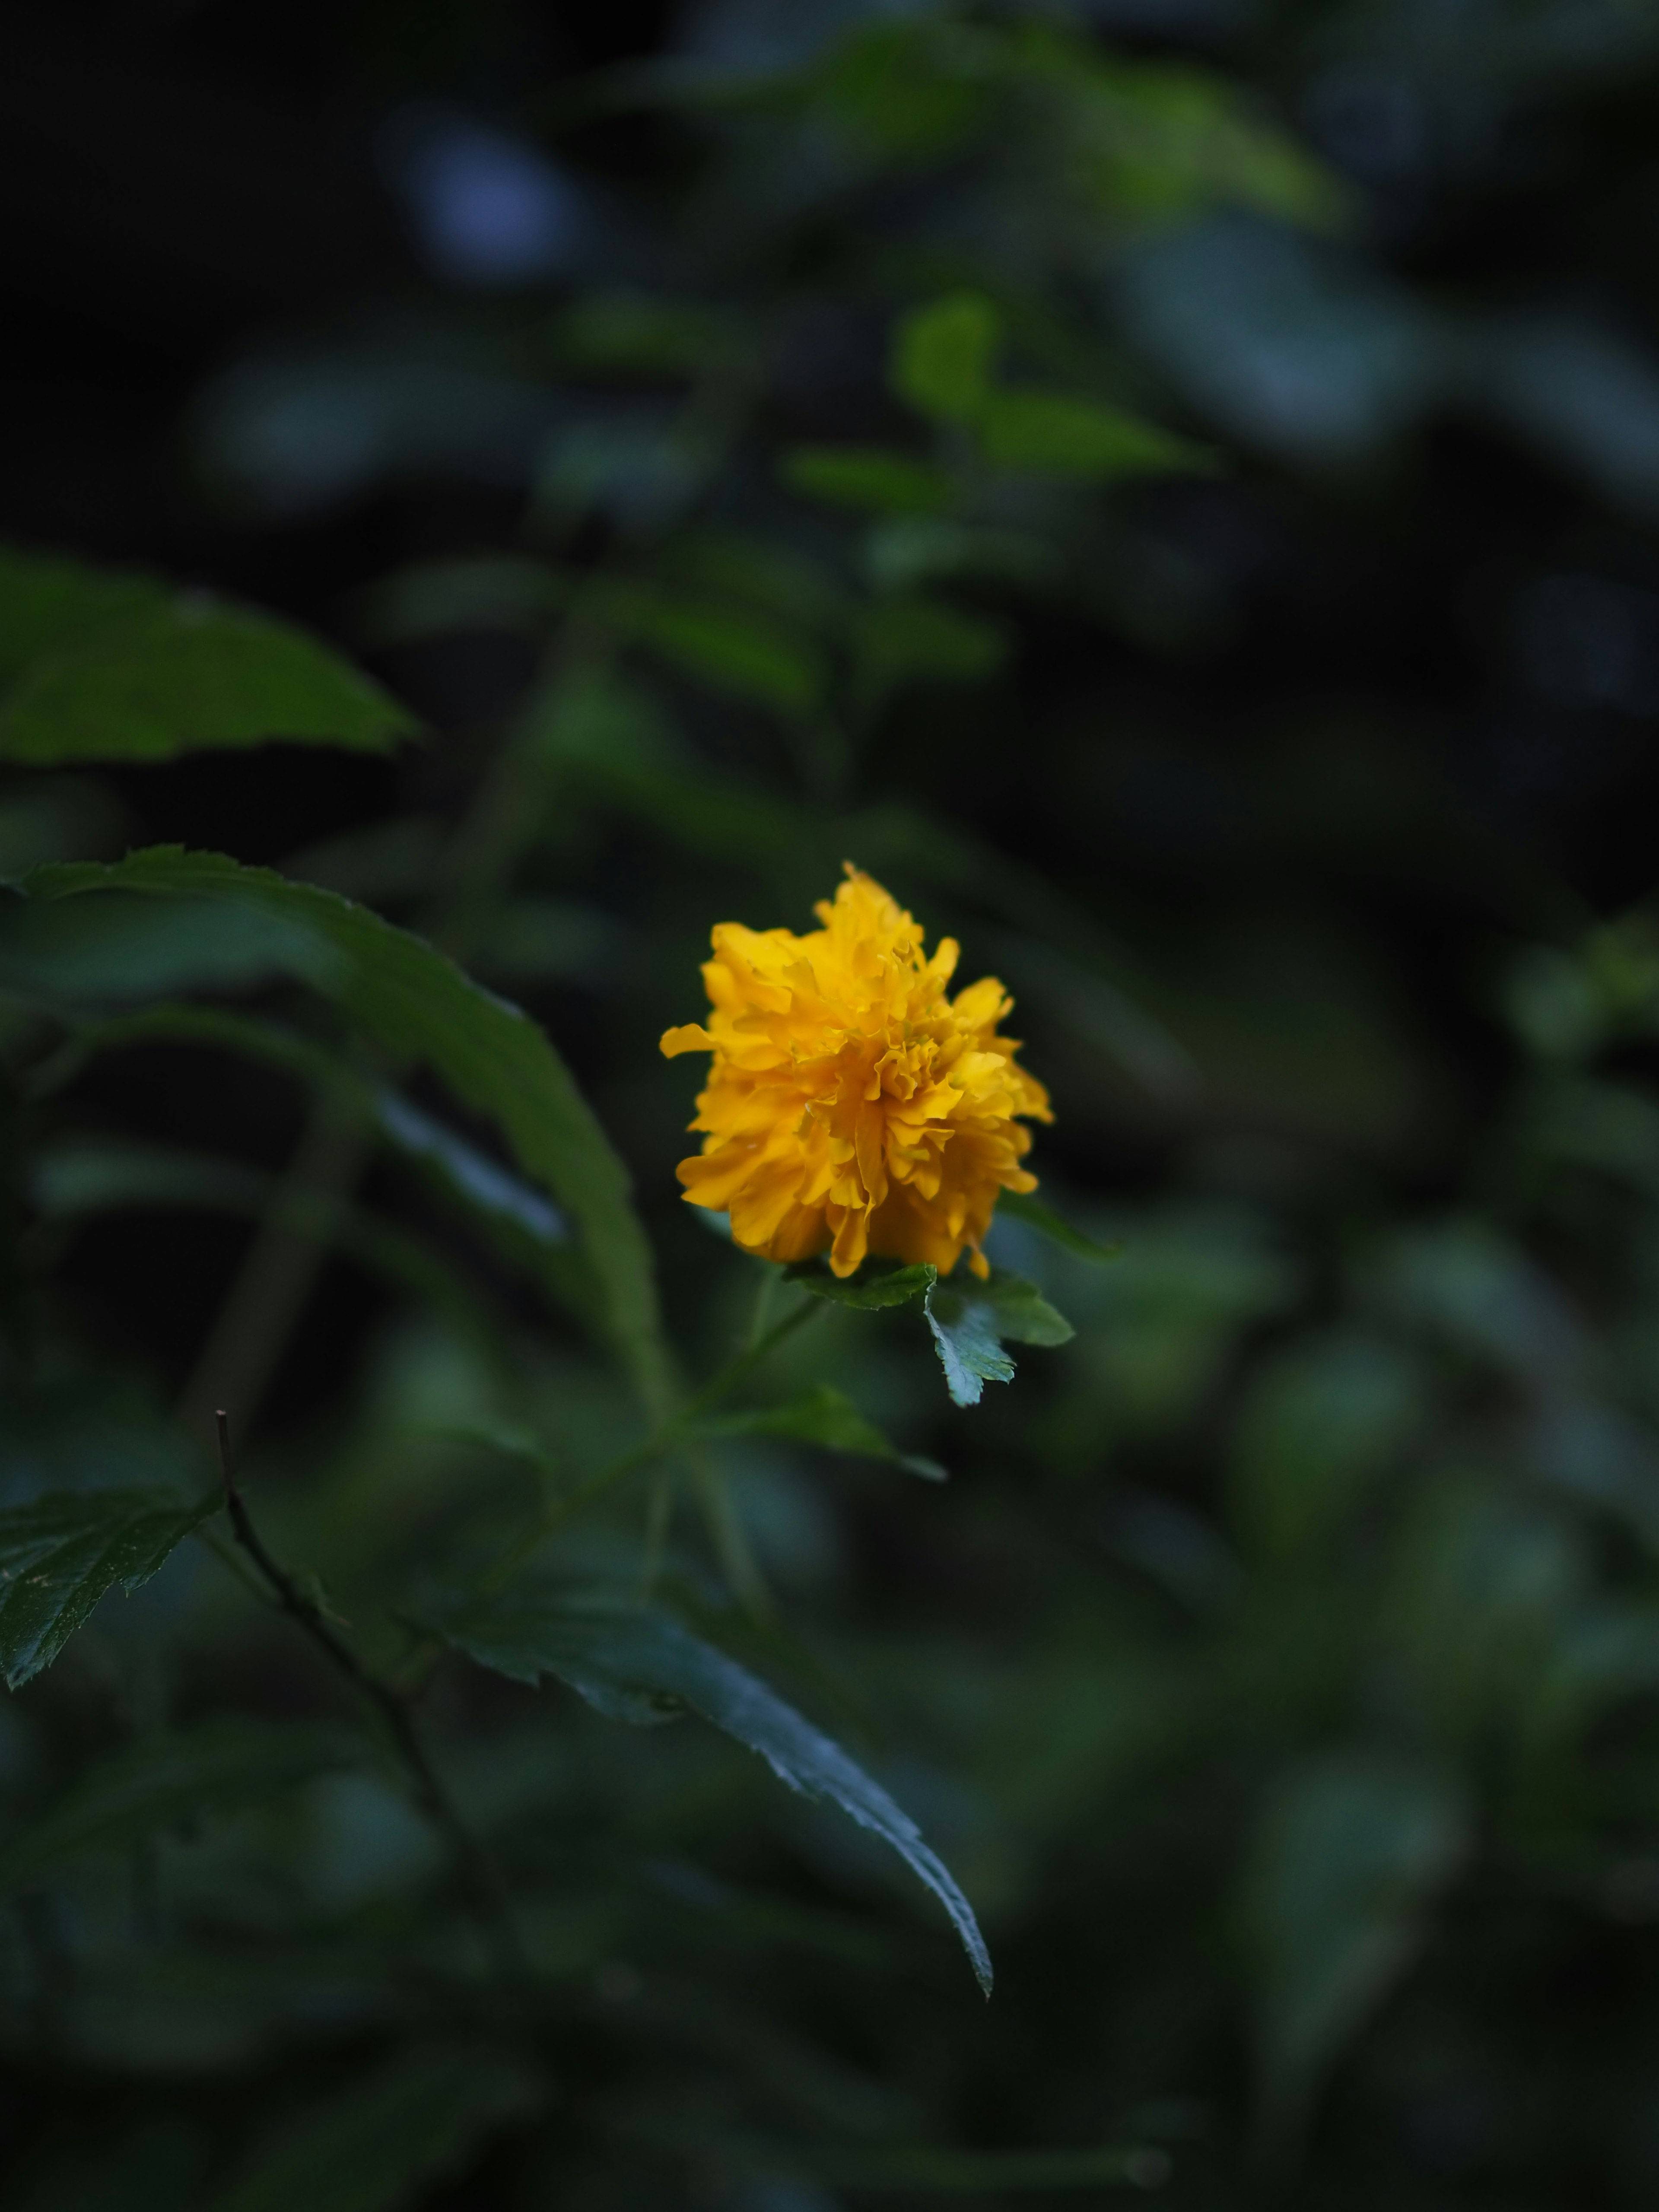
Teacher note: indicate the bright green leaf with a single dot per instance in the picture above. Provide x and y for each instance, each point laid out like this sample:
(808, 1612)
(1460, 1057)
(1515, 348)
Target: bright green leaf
(60, 1553)
(642, 1667)
(943, 356)
(867, 476)
(215, 1767)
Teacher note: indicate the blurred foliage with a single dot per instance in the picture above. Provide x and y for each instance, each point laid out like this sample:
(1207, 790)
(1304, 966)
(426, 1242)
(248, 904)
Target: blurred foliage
(1168, 490)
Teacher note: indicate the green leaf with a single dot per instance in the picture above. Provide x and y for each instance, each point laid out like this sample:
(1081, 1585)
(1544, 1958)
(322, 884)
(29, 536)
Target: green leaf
(124, 949)
(1050, 433)
(385, 2139)
(943, 356)
(1036, 1215)
(824, 1417)
(214, 1768)
(419, 1006)
(869, 1290)
(1347, 1858)
(642, 1667)
(970, 1326)
(916, 640)
(732, 649)
(105, 667)
(60, 1553)
(867, 476)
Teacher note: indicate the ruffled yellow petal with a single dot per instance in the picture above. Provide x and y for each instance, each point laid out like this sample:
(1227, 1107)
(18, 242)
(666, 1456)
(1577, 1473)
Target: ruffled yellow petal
(851, 1104)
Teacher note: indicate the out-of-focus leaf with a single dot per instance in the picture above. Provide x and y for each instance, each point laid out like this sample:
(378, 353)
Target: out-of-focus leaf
(500, 592)
(632, 334)
(107, 667)
(867, 476)
(1348, 1856)
(386, 2140)
(970, 1325)
(643, 1667)
(944, 354)
(914, 640)
(730, 648)
(128, 948)
(1046, 1223)
(1319, 1425)
(822, 1416)
(420, 1006)
(59, 1555)
(1049, 433)
(868, 1291)
(211, 1769)
(50, 603)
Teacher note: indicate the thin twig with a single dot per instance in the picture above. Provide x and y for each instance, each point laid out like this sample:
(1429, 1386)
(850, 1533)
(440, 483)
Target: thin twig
(485, 1889)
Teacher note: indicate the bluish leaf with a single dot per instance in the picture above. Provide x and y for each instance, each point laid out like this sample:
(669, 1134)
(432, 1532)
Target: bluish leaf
(639, 1666)
(59, 1555)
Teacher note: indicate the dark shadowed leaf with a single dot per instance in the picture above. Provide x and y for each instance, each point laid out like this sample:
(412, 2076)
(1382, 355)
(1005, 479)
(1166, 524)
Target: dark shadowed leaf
(385, 2139)
(420, 1006)
(868, 476)
(869, 1290)
(214, 1768)
(1348, 1856)
(59, 1555)
(824, 1417)
(943, 356)
(1052, 434)
(1046, 1223)
(642, 1667)
(105, 667)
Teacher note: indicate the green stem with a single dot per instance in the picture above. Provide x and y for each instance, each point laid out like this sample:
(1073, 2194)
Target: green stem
(670, 1437)
(486, 1890)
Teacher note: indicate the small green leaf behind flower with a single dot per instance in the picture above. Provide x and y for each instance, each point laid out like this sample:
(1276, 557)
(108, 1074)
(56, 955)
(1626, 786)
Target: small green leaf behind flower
(824, 1417)
(637, 1665)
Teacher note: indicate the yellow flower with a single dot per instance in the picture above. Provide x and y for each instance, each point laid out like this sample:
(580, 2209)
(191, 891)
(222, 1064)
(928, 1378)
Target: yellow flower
(851, 1105)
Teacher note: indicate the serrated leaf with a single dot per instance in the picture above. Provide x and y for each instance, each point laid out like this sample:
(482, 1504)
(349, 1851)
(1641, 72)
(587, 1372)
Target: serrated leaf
(970, 1326)
(867, 476)
(1046, 1223)
(419, 1006)
(214, 1768)
(943, 356)
(825, 1417)
(1052, 434)
(101, 665)
(640, 1666)
(868, 1291)
(59, 1555)
(385, 2139)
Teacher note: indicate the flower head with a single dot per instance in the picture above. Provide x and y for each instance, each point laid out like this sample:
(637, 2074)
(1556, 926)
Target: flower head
(852, 1106)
